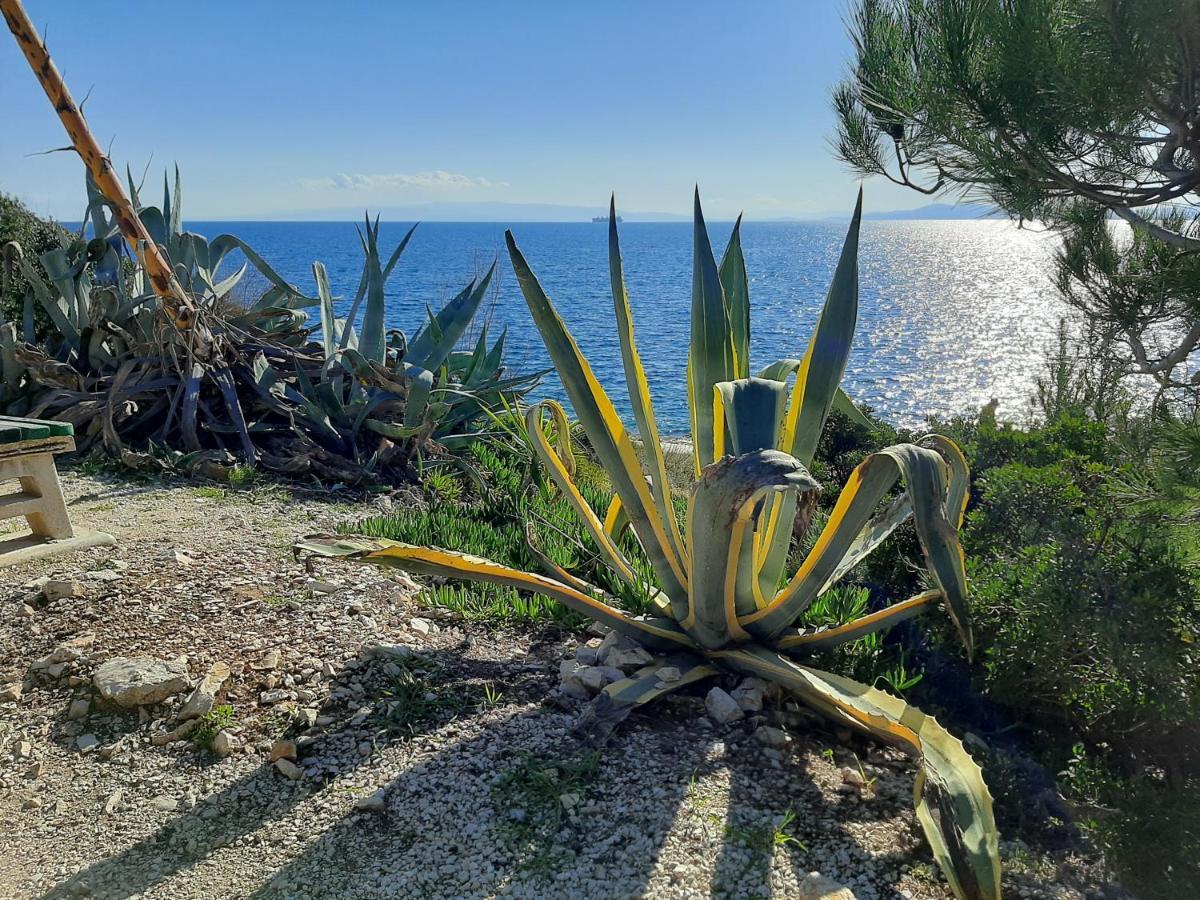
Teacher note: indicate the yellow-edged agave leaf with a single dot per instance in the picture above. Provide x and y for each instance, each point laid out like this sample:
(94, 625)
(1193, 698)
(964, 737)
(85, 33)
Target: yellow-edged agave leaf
(639, 390)
(555, 463)
(953, 804)
(711, 353)
(648, 683)
(818, 380)
(737, 299)
(659, 633)
(663, 676)
(615, 520)
(924, 473)
(824, 362)
(606, 432)
(896, 513)
(827, 638)
(720, 515)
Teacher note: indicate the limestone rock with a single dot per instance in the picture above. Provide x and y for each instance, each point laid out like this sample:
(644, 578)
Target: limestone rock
(289, 769)
(372, 802)
(205, 694)
(722, 707)
(750, 694)
(623, 652)
(63, 589)
(224, 743)
(140, 680)
(772, 737)
(78, 709)
(815, 886)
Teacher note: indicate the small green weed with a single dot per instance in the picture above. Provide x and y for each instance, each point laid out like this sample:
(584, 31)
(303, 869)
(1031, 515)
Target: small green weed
(535, 799)
(216, 719)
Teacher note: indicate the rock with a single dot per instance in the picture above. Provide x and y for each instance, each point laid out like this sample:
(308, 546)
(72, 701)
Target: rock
(66, 652)
(721, 707)
(772, 737)
(78, 709)
(592, 678)
(420, 626)
(854, 778)
(623, 652)
(387, 651)
(165, 803)
(750, 694)
(815, 886)
(25, 611)
(162, 738)
(587, 656)
(23, 749)
(669, 674)
(571, 680)
(282, 749)
(224, 743)
(35, 771)
(87, 742)
(141, 680)
(63, 589)
(269, 661)
(205, 694)
(289, 769)
(372, 802)
(102, 575)
(11, 693)
(113, 802)
(268, 698)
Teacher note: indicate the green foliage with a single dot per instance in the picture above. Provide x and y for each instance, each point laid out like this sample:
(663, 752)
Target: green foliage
(1060, 111)
(536, 799)
(707, 589)
(355, 406)
(35, 236)
(216, 719)
(1089, 612)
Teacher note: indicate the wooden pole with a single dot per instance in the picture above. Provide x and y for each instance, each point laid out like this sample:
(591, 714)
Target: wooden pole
(170, 292)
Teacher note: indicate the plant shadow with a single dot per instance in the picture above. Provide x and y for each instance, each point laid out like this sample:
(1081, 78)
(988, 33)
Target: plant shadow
(539, 811)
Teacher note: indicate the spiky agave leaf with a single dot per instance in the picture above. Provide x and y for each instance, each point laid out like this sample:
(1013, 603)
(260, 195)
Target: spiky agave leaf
(658, 633)
(952, 801)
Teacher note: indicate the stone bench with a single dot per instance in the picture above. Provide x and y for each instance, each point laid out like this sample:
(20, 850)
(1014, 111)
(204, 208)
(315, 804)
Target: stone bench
(29, 489)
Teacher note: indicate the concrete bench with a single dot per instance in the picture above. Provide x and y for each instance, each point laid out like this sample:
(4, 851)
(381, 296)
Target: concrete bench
(29, 489)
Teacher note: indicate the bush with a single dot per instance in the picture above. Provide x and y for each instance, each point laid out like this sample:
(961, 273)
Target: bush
(1084, 614)
(35, 235)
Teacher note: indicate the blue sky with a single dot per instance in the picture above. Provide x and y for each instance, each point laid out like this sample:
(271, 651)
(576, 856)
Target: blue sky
(271, 108)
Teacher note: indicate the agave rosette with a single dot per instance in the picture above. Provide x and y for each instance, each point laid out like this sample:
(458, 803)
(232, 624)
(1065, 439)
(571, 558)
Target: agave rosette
(719, 603)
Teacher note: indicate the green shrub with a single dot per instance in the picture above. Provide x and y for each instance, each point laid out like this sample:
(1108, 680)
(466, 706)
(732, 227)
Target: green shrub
(35, 235)
(1084, 613)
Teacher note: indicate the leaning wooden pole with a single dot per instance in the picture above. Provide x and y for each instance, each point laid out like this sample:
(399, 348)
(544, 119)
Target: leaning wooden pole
(170, 292)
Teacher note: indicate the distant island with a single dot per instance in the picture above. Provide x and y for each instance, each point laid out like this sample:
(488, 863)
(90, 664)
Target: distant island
(605, 219)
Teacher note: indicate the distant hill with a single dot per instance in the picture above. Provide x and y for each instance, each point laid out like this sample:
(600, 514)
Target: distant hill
(941, 211)
(467, 211)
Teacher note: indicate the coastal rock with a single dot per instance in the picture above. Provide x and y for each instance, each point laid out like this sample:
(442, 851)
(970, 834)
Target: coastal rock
(140, 680)
(623, 652)
(205, 694)
(722, 707)
(815, 886)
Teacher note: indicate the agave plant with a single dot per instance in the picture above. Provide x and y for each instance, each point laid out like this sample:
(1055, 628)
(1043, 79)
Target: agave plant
(724, 599)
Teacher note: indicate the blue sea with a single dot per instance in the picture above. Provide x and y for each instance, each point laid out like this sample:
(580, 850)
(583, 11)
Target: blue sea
(951, 313)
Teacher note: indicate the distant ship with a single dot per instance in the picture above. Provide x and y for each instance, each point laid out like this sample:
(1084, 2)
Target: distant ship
(605, 219)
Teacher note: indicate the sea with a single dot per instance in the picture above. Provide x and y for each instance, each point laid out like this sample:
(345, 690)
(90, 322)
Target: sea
(952, 313)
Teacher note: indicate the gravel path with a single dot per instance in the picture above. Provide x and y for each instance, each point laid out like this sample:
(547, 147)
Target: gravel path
(418, 756)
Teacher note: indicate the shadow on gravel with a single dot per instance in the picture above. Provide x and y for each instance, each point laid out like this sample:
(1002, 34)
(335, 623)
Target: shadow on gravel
(400, 849)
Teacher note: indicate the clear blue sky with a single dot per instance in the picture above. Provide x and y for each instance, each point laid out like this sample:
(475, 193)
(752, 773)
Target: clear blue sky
(277, 107)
